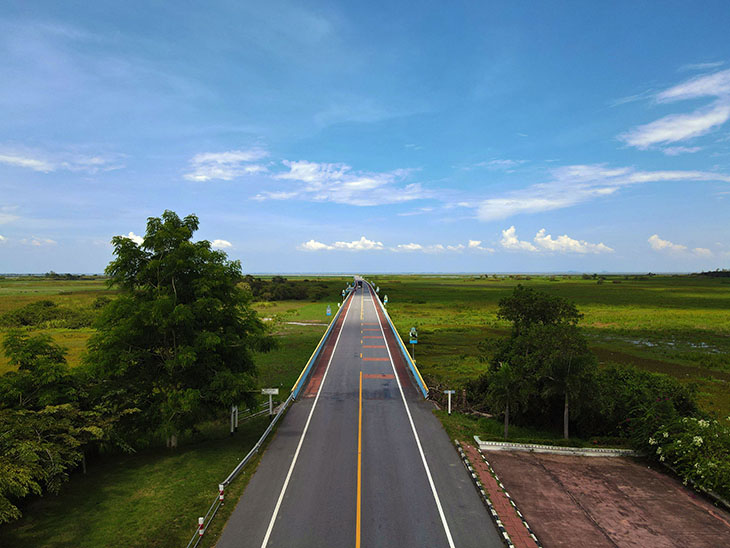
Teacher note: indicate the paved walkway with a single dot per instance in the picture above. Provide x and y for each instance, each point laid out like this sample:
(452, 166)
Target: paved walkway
(510, 519)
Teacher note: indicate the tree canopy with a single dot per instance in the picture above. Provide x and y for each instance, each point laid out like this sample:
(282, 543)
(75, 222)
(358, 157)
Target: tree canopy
(178, 342)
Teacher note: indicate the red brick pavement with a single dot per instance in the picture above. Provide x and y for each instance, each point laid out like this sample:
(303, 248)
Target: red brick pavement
(512, 523)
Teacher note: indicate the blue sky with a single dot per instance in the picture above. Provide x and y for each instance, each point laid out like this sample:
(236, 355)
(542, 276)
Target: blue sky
(371, 136)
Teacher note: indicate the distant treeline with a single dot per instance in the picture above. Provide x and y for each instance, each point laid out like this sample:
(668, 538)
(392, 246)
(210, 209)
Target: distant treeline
(281, 289)
(724, 273)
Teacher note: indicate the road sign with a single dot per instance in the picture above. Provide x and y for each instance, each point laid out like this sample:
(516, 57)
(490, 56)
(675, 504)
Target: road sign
(414, 341)
(385, 300)
(329, 310)
(449, 392)
(377, 289)
(270, 392)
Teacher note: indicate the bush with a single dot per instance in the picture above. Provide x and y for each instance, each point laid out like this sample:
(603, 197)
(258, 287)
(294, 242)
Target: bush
(697, 449)
(47, 314)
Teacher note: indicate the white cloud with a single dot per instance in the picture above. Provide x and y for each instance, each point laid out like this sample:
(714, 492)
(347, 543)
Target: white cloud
(221, 244)
(313, 245)
(657, 244)
(37, 242)
(363, 244)
(510, 241)
(566, 244)
(681, 127)
(225, 165)
(546, 243)
(707, 85)
(17, 160)
(665, 246)
(676, 151)
(48, 162)
(677, 127)
(2, 238)
(7, 215)
(135, 238)
(327, 182)
(572, 185)
(408, 247)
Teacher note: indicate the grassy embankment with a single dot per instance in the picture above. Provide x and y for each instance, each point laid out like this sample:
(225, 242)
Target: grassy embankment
(153, 498)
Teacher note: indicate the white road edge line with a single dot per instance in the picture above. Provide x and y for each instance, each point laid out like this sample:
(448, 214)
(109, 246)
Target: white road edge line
(413, 428)
(301, 440)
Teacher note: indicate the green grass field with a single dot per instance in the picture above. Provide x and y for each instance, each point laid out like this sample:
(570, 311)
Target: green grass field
(675, 325)
(679, 325)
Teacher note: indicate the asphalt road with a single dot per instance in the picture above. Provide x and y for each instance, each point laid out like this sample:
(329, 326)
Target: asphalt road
(360, 460)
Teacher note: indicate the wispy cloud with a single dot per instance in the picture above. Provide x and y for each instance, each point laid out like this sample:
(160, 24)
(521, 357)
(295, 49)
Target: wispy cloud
(665, 246)
(676, 151)
(46, 162)
(3, 239)
(221, 244)
(543, 242)
(701, 66)
(339, 183)
(681, 127)
(7, 214)
(37, 242)
(225, 166)
(572, 185)
(506, 165)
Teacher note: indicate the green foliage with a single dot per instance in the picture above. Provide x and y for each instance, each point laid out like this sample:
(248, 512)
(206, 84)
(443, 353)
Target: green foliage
(46, 313)
(178, 343)
(282, 289)
(526, 307)
(697, 449)
(37, 451)
(42, 376)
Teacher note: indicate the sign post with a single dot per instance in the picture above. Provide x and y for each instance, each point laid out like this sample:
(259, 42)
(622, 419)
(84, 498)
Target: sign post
(329, 310)
(414, 341)
(385, 300)
(449, 392)
(270, 392)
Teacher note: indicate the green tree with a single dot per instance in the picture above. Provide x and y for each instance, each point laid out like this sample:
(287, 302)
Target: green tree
(526, 306)
(506, 389)
(178, 343)
(563, 361)
(42, 376)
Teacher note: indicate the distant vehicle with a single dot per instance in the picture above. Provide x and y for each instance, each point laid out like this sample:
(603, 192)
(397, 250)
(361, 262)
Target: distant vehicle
(359, 283)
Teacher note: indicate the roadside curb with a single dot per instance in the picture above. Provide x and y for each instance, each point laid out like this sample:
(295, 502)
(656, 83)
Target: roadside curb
(553, 449)
(512, 502)
(485, 498)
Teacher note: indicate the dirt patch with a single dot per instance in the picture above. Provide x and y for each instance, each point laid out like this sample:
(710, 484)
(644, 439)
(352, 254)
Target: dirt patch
(596, 502)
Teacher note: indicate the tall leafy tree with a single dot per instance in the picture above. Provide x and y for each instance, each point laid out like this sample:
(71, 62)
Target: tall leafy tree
(178, 343)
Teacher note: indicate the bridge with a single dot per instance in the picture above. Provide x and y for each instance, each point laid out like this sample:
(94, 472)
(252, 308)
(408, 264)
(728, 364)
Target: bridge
(360, 459)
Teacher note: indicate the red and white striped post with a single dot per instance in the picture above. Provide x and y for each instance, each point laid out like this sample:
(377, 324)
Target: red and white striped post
(201, 526)
(221, 487)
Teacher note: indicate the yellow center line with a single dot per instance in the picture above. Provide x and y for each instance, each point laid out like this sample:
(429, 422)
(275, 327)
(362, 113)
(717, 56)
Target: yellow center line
(362, 299)
(359, 467)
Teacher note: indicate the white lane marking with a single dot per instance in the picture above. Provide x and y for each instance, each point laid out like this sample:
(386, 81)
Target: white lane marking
(301, 440)
(415, 434)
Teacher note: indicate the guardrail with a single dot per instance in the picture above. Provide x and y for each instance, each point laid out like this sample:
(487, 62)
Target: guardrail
(301, 381)
(205, 521)
(411, 364)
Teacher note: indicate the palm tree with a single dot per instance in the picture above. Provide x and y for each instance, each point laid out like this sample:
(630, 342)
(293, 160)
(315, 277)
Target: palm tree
(504, 390)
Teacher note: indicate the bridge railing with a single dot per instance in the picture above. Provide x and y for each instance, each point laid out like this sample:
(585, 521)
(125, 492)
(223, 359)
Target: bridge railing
(409, 360)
